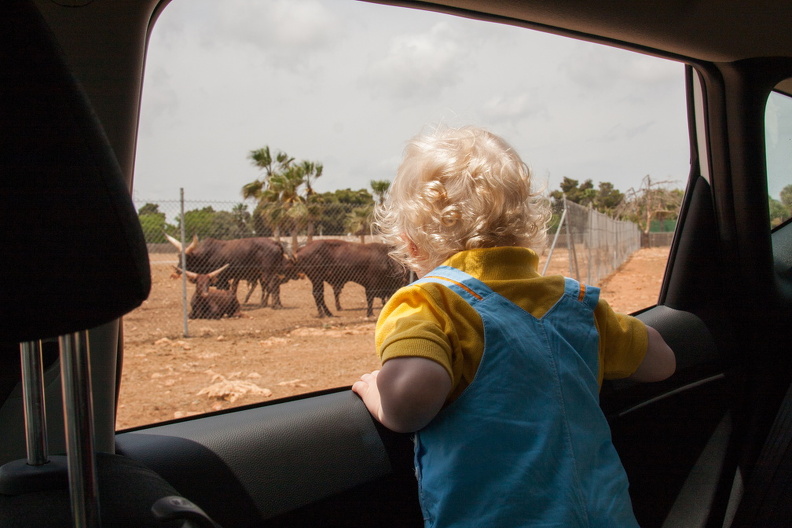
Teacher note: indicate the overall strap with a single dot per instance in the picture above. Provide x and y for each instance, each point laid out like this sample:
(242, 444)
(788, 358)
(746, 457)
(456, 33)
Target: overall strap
(588, 295)
(466, 286)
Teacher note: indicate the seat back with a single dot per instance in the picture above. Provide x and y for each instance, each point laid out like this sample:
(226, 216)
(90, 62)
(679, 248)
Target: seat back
(73, 258)
(74, 255)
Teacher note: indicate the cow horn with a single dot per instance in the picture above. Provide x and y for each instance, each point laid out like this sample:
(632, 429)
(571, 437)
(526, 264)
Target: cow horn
(178, 244)
(190, 274)
(218, 271)
(192, 245)
(173, 241)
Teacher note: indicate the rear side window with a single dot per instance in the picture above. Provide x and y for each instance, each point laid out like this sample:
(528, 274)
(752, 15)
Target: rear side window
(269, 124)
(778, 134)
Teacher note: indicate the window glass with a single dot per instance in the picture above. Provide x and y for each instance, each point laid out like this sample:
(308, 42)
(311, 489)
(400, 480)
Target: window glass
(778, 134)
(285, 120)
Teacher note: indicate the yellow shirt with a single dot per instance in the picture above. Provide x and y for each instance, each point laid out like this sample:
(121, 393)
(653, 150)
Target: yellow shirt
(431, 321)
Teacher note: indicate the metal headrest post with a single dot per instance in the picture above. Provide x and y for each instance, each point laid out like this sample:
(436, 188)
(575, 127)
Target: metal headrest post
(34, 405)
(38, 471)
(78, 419)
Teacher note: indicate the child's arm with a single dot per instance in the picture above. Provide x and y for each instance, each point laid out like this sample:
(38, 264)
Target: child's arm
(659, 362)
(406, 393)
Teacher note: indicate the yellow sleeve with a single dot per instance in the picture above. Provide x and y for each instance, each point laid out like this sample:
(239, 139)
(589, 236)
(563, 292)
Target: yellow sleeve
(431, 321)
(623, 342)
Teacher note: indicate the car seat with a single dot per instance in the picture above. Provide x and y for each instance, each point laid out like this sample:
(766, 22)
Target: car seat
(73, 258)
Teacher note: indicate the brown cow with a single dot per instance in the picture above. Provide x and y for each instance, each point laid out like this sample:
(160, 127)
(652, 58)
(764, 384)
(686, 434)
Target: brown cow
(252, 259)
(338, 262)
(208, 302)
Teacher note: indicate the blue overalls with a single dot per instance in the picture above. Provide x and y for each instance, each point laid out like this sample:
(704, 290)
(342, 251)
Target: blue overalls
(526, 443)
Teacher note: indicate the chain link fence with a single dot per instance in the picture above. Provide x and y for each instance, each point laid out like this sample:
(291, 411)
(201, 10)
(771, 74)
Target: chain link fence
(241, 270)
(595, 244)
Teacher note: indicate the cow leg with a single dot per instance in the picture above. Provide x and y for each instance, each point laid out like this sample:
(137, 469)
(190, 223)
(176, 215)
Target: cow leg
(265, 291)
(273, 289)
(337, 288)
(369, 303)
(251, 289)
(318, 294)
(265, 294)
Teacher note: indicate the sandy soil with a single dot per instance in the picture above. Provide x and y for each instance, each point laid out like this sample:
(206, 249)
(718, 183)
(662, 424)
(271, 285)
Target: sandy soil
(270, 354)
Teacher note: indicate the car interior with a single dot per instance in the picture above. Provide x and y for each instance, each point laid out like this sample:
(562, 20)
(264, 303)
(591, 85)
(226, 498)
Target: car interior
(710, 446)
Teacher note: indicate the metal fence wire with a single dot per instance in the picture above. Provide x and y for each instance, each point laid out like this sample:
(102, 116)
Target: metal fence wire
(596, 244)
(321, 267)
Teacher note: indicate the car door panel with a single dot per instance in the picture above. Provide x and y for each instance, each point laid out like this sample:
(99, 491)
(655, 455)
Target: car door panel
(262, 462)
(324, 457)
(661, 429)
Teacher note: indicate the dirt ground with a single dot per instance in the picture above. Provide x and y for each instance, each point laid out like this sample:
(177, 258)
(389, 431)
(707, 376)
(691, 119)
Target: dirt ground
(270, 354)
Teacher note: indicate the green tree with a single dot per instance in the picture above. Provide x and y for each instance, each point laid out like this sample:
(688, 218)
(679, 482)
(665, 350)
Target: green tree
(778, 211)
(358, 221)
(242, 218)
(348, 196)
(153, 224)
(607, 198)
(284, 192)
(310, 172)
(574, 191)
(786, 197)
(264, 191)
(781, 210)
(337, 205)
(198, 222)
(380, 188)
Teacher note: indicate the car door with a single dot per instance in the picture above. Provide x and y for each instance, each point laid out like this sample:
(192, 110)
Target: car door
(320, 456)
(689, 444)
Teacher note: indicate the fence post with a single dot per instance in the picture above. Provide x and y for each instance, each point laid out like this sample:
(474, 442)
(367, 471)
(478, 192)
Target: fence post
(183, 258)
(571, 252)
(589, 243)
(555, 240)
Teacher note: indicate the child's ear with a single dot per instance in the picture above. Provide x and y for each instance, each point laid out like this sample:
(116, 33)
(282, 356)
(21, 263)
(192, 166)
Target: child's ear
(412, 248)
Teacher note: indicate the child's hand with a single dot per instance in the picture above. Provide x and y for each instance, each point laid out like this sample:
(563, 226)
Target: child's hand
(366, 388)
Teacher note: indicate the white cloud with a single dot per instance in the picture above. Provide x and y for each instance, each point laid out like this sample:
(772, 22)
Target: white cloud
(596, 69)
(285, 33)
(289, 26)
(419, 65)
(511, 109)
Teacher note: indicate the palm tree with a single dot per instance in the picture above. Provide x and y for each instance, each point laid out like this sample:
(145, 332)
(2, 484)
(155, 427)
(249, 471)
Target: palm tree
(241, 217)
(283, 201)
(288, 183)
(380, 189)
(270, 189)
(311, 171)
(358, 221)
(262, 158)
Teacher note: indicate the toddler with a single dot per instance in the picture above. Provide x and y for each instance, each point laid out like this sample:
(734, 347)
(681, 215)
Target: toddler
(496, 368)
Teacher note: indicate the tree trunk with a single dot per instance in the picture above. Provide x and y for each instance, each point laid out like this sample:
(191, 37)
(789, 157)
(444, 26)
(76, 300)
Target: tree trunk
(309, 232)
(294, 235)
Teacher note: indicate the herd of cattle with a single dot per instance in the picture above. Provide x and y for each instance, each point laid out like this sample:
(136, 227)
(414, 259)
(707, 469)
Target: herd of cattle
(216, 267)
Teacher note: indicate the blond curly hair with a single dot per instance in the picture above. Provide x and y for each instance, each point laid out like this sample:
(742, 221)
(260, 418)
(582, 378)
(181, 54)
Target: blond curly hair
(457, 189)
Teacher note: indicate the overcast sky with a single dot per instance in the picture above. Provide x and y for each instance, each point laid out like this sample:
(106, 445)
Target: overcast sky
(346, 83)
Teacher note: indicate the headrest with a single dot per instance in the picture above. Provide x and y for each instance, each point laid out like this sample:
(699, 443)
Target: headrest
(72, 253)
